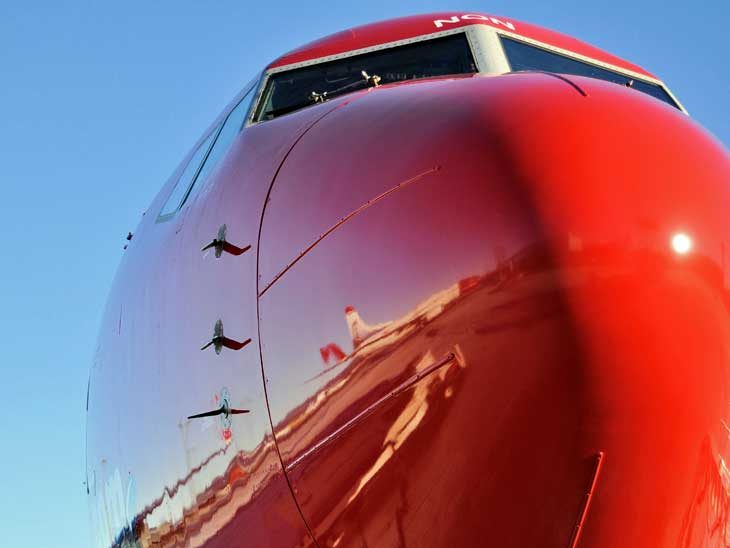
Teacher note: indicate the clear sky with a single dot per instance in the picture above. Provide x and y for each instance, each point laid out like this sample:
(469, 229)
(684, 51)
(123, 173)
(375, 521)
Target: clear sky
(100, 100)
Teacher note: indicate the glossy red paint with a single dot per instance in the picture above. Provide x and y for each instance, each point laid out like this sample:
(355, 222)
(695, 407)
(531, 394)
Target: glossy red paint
(584, 329)
(460, 292)
(373, 34)
(154, 475)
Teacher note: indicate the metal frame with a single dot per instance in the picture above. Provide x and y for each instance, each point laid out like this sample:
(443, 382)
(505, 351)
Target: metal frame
(351, 53)
(586, 59)
(486, 49)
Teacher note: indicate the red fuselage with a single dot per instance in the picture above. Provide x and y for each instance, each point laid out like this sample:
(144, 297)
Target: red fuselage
(476, 310)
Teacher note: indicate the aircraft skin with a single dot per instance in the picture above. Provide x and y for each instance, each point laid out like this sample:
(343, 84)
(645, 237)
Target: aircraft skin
(476, 310)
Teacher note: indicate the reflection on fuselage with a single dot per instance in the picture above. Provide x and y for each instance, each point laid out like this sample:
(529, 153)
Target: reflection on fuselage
(393, 389)
(371, 343)
(204, 504)
(204, 507)
(175, 520)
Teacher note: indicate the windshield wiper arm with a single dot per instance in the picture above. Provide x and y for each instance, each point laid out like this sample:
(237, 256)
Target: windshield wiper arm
(314, 97)
(367, 81)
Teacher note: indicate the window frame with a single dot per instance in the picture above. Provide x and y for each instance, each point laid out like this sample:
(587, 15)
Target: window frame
(630, 75)
(215, 133)
(268, 73)
(162, 217)
(486, 49)
(584, 59)
(465, 47)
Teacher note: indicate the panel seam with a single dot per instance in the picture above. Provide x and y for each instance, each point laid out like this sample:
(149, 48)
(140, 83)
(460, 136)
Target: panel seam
(342, 221)
(587, 499)
(258, 323)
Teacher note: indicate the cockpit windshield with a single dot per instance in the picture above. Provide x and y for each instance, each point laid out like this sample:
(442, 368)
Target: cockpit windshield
(294, 89)
(522, 56)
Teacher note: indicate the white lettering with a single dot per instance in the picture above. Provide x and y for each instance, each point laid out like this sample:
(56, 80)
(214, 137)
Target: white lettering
(507, 24)
(478, 17)
(440, 22)
(473, 17)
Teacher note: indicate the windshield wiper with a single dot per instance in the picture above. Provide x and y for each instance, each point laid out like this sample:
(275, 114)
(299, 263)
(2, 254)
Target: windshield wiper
(314, 97)
(367, 81)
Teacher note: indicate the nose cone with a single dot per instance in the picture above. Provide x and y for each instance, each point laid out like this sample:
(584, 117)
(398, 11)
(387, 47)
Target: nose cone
(633, 198)
(538, 268)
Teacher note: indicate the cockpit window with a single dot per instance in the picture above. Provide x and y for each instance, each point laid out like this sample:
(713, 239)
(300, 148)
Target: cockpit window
(180, 191)
(522, 56)
(206, 157)
(291, 90)
(231, 127)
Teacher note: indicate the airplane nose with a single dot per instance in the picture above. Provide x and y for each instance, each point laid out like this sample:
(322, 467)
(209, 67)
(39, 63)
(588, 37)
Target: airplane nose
(633, 198)
(534, 350)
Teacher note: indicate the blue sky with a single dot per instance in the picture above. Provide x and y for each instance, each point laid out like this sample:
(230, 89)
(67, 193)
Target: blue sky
(98, 103)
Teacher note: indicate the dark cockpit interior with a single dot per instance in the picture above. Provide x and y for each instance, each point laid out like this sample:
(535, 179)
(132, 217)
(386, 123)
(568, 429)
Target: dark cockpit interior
(526, 57)
(297, 88)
